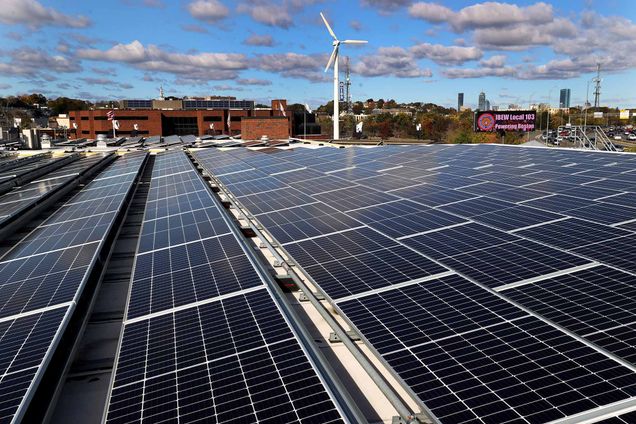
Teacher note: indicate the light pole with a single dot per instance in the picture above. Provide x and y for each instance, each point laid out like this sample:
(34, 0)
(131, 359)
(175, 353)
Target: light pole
(529, 105)
(547, 127)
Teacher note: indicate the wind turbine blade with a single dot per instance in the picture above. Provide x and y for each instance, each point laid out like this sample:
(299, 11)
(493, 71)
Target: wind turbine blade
(354, 42)
(328, 27)
(334, 53)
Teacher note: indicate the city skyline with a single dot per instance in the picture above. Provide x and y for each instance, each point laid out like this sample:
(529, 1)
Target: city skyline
(520, 53)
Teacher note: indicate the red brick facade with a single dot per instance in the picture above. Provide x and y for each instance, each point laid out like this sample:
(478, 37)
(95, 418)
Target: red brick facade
(151, 122)
(274, 127)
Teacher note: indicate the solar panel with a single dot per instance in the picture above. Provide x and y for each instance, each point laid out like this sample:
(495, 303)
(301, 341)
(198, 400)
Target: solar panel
(203, 338)
(230, 360)
(25, 343)
(619, 252)
(511, 263)
(466, 352)
(41, 278)
(588, 303)
(572, 233)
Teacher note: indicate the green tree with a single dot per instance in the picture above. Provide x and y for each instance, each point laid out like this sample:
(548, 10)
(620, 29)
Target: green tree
(65, 105)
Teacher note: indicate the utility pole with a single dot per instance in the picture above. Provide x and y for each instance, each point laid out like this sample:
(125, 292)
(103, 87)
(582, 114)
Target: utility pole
(597, 90)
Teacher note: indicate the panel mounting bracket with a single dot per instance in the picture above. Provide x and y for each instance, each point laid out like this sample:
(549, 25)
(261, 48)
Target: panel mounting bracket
(333, 337)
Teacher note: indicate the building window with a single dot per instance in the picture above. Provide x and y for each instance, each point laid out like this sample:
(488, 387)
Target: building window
(84, 118)
(212, 118)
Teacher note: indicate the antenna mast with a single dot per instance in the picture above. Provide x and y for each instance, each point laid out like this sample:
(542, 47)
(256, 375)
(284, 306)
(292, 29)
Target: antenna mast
(161, 92)
(597, 90)
(348, 89)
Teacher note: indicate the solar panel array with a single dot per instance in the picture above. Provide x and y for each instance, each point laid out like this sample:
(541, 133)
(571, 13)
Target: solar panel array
(203, 339)
(27, 195)
(43, 275)
(496, 282)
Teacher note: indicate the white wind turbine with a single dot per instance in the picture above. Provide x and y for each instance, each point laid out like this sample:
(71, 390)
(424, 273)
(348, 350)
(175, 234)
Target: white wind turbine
(334, 59)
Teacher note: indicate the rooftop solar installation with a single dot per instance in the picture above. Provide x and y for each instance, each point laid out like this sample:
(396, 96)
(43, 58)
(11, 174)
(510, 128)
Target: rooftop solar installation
(497, 283)
(15, 202)
(203, 338)
(42, 278)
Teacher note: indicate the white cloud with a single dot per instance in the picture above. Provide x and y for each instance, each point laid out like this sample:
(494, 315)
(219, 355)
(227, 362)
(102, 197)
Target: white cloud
(294, 65)
(454, 73)
(522, 36)
(390, 61)
(199, 66)
(483, 15)
(253, 81)
(210, 11)
(106, 82)
(259, 40)
(447, 55)
(33, 14)
(496, 61)
(267, 13)
(386, 5)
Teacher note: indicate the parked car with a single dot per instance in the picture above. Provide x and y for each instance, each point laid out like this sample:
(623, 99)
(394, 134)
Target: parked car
(631, 137)
(617, 137)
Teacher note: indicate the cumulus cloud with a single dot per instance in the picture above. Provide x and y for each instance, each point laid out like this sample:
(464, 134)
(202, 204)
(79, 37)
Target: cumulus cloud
(36, 63)
(33, 14)
(253, 81)
(259, 40)
(390, 61)
(267, 13)
(274, 13)
(523, 36)
(483, 15)
(293, 65)
(387, 5)
(105, 71)
(210, 11)
(226, 87)
(454, 73)
(431, 12)
(496, 61)
(446, 55)
(151, 58)
(106, 82)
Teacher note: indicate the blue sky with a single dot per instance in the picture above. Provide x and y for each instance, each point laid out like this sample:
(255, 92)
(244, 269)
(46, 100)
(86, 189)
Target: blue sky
(517, 52)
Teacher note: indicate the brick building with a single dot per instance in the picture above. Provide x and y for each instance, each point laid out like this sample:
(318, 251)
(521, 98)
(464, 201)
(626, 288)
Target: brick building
(90, 123)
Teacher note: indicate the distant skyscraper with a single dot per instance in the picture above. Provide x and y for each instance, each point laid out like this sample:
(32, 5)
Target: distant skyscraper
(460, 101)
(481, 105)
(564, 99)
(487, 105)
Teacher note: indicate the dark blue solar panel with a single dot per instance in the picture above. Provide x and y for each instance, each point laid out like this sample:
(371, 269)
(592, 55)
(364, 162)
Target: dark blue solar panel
(572, 233)
(24, 344)
(509, 263)
(227, 361)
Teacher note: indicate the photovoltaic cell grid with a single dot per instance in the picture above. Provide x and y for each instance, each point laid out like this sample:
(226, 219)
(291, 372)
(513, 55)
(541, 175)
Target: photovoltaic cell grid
(41, 278)
(186, 252)
(204, 340)
(505, 190)
(25, 342)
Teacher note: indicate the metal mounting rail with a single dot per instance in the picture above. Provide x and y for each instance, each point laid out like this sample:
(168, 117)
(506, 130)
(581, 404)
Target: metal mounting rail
(389, 392)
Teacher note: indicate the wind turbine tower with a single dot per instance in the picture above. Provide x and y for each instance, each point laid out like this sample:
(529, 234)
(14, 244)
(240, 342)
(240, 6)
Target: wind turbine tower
(334, 59)
(597, 90)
